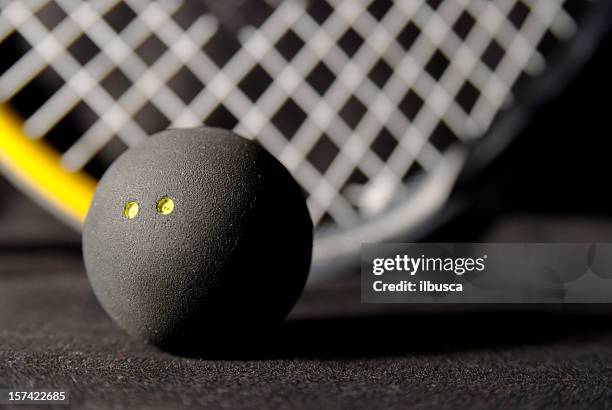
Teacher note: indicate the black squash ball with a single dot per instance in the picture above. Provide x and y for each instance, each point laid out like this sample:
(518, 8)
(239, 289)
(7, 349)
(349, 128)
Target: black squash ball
(197, 238)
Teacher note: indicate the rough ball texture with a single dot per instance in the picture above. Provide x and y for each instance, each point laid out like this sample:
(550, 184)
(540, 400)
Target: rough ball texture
(230, 259)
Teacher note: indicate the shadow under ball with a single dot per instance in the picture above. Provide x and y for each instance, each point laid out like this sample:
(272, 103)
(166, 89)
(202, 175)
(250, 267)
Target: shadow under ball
(197, 238)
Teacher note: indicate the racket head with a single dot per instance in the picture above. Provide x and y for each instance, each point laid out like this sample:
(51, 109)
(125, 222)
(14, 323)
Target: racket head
(375, 107)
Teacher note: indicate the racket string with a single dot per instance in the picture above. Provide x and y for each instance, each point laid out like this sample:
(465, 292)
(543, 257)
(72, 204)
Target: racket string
(359, 100)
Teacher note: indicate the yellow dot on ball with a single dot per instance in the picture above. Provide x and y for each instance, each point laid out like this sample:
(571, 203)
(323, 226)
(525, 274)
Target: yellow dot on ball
(131, 210)
(165, 206)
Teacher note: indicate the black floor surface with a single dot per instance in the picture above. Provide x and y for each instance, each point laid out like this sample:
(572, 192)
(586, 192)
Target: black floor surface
(53, 334)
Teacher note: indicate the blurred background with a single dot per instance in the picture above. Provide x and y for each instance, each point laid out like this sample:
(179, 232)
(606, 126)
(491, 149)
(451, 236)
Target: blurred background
(417, 121)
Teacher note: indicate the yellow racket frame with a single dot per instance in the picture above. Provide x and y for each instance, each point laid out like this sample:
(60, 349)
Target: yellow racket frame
(36, 167)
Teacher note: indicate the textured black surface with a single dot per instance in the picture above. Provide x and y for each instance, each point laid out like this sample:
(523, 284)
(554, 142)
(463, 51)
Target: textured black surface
(232, 257)
(333, 353)
(54, 334)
